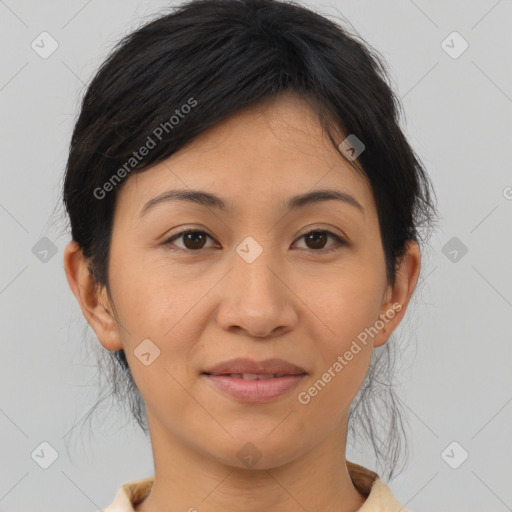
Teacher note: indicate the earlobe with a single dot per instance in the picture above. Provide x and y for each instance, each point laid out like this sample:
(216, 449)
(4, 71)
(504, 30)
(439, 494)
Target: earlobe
(91, 297)
(399, 295)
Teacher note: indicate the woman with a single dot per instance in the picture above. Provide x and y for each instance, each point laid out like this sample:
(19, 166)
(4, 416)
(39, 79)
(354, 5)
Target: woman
(245, 215)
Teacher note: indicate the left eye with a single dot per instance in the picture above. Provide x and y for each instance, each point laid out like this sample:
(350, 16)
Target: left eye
(194, 240)
(317, 237)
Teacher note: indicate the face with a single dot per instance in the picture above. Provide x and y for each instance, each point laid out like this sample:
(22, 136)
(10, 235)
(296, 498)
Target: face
(259, 279)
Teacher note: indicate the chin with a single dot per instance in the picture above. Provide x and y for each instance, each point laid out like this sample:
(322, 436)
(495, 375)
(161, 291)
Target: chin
(263, 453)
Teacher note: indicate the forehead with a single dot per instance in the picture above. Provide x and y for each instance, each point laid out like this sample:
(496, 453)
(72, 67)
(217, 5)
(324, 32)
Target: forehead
(257, 158)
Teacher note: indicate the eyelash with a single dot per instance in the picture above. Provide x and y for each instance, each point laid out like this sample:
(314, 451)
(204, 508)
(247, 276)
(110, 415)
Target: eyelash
(340, 242)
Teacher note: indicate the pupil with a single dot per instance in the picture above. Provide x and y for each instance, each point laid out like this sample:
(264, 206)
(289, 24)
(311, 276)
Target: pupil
(313, 236)
(189, 237)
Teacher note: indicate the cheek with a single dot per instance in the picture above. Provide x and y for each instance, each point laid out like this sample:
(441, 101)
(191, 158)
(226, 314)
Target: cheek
(344, 352)
(150, 301)
(348, 308)
(157, 333)
(155, 303)
(346, 302)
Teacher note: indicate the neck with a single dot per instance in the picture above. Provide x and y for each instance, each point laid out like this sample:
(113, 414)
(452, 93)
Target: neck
(186, 480)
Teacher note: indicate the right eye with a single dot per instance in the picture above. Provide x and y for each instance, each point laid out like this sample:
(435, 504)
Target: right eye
(193, 240)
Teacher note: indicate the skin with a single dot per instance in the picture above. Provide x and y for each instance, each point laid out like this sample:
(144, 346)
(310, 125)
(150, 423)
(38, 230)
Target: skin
(295, 301)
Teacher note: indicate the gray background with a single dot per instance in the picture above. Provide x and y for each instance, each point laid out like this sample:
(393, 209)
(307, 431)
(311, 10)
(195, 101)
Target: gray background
(456, 377)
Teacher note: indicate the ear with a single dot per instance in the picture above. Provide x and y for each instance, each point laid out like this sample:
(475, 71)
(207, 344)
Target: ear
(91, 297)
(397, 296)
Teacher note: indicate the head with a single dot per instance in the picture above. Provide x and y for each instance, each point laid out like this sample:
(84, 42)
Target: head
(256, 103)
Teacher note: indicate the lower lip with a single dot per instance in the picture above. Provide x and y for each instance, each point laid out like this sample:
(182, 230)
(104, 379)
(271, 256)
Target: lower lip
(255, 390)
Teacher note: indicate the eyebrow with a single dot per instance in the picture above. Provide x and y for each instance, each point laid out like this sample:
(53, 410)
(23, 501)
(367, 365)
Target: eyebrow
(210, 200)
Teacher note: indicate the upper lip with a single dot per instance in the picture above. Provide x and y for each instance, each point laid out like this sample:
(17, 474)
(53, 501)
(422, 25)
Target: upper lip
(245, 365)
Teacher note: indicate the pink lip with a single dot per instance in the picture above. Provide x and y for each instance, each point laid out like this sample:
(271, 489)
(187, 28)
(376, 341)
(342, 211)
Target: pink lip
(255, 390)
(226, 377)
(245, 365)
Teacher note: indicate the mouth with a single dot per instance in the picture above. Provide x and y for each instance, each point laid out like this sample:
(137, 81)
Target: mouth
(250, 369)
(252, 376)
(250, 381)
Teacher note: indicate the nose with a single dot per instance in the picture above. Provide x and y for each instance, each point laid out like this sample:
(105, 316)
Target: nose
(257, 298)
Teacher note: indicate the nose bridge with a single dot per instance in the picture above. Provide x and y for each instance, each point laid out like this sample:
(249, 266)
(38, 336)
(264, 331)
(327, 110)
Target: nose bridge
(252, 272)
(254, 298)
